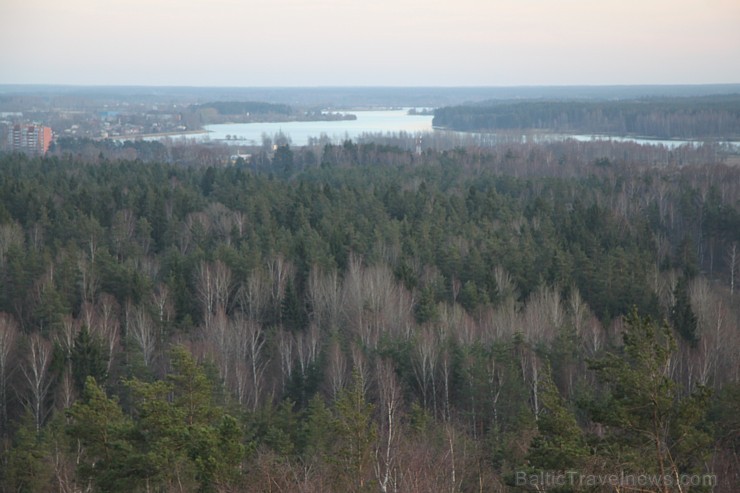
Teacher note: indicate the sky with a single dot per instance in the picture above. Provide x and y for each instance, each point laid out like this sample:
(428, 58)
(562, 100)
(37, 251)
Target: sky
(369, 42)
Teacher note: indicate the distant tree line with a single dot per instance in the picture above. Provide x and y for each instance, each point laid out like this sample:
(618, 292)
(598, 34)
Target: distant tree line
(244, 107)
(252, 111)
(711, 117)
(83, 148)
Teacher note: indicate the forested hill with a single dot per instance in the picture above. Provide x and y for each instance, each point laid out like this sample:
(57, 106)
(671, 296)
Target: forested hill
(363, 318)
(710, 117)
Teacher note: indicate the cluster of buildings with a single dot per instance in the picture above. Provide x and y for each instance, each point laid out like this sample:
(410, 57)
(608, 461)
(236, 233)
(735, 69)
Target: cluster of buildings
(27, 138)
(32, 130)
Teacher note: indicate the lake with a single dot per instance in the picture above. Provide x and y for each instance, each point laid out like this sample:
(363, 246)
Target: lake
(299, 133)
(384, 122)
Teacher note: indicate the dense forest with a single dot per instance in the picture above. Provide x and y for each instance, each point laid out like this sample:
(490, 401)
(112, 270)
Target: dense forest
(361, 317)
(699, 118)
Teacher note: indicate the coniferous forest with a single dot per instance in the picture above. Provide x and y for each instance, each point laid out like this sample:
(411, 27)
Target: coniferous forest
(360, 317)
(709, 117)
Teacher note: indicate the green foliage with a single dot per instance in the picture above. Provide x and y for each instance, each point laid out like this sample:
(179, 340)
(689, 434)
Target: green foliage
(240, 107)
(725, 418)
(355, 432)
(191, 388)
(560, 444)
(281, 428)
(88, 359)
(659, 117)
(282, 162)
(426, 310)
(185, 440)
(317, 442)
(101, 428)
(292, 310)
(466, 237)
(652, 427)
(24, 464)
(682, 315)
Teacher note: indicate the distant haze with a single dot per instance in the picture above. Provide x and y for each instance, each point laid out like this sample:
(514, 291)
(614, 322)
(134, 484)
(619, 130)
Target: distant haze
(369, 43)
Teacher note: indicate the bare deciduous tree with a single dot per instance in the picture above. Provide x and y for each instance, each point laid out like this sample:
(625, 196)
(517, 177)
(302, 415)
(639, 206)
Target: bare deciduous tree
(425, 366)
(88, 316)
(162, 302)
(250, 342)
(35, 370)
(500, 323)
(455, 322)
(578, 311)
(543, 315)
(504, 283)
(107, 325)
(325, 298)
(66, 336)
(252, 296)
(713, 358)
(217, 332)
(213, 285)
(532, 374)
(337, 370)
(89, 283)
(142, 330)
(307, 346)
(352, 296)
(374, 304)
(279, 272)
(240, 221)
(389, 399)
(65, 339)
(593, 336)
(495, 383)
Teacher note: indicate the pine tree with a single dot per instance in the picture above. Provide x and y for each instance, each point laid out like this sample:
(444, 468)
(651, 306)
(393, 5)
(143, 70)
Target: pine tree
(24, 467)
(99, 426)
(559, 445)
(88, 359)
(651, 427)
(682, 315)
(355, 433)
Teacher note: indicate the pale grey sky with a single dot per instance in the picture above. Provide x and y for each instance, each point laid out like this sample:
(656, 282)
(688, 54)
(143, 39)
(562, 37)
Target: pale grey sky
(369, 42)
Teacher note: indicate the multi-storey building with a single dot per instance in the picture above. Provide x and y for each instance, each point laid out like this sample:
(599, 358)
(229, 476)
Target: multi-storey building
(31, 139)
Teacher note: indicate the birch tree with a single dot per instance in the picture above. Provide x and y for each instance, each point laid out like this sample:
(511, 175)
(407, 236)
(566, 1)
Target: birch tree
(337, 369)
(249, 345)
(107, 326)
(142, 330)
(35, 370)
(425, 366)
(389, 402)
(213, 287)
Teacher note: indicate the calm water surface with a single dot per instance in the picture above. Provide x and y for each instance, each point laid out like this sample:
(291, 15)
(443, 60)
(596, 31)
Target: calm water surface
(371, 122)
(299, 133)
